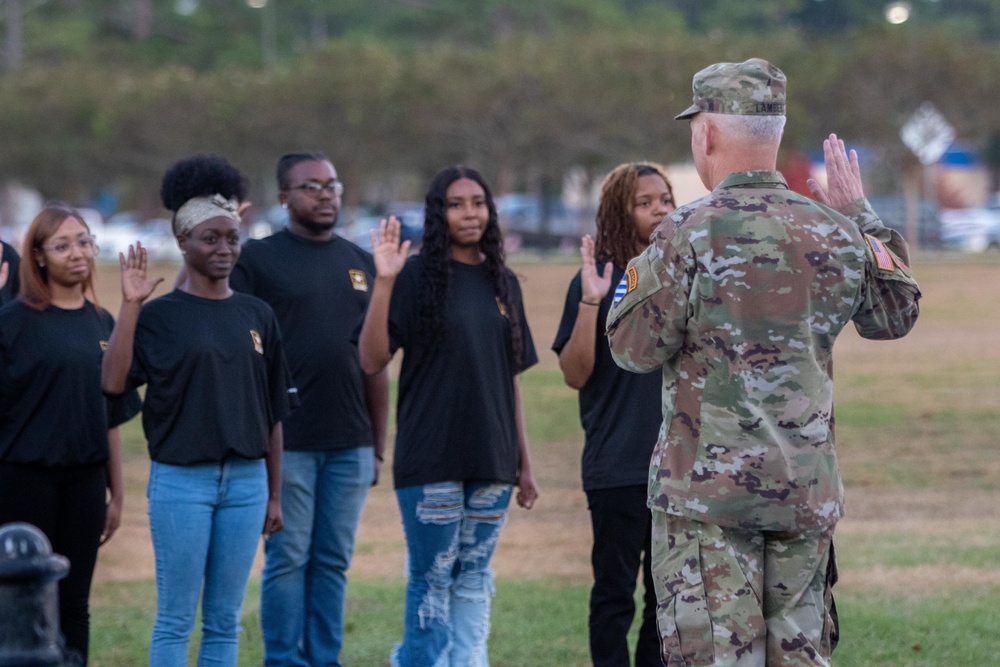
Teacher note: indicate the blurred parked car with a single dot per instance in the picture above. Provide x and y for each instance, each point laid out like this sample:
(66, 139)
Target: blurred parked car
(124, 229)
(411, 218)
(971, 229)
(546, 223)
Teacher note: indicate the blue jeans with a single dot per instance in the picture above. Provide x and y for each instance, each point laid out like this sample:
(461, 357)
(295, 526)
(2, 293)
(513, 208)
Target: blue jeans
(205, 521)
(304, 581)
(451, 531)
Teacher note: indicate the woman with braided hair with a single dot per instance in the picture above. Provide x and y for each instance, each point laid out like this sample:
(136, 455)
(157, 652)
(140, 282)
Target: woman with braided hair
(456, 311)
(620, 413)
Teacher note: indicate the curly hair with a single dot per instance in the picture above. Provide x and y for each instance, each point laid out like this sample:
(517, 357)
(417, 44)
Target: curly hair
(618, 239)
(435, 251)
(201, 176)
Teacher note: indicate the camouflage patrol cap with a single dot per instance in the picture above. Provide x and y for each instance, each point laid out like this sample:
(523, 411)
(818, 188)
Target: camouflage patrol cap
(751, 88)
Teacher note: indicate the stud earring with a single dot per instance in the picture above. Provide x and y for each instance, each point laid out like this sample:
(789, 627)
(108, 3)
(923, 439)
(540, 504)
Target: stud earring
(284, 206)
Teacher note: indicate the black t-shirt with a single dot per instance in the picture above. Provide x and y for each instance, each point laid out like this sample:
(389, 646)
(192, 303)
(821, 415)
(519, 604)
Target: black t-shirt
(620, 411)
(52, 410)
(217, 377)
(9, 291)
(319, 291)
(456, 417)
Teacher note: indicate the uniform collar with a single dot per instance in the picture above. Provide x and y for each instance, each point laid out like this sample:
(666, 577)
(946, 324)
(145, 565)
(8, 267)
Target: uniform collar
(743, 178)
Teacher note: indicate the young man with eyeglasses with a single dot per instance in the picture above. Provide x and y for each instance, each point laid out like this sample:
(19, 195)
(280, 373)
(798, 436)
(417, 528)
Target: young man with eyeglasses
(318, 285)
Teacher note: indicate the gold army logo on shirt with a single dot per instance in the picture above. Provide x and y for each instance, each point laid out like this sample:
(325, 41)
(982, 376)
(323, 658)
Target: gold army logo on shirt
(104, 345)
(358, 280)
(258, 342)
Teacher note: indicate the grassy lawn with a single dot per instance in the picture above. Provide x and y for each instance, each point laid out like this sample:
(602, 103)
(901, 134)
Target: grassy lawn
(919, 552)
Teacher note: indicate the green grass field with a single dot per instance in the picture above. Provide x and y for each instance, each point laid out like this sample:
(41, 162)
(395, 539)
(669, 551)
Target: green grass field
(918, 423)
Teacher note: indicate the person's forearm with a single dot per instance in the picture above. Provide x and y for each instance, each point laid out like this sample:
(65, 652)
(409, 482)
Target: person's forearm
(117, 359)
(273, 462)
(377, 400)
(116, 485)
(576, 360)
(522, 432)
(373, 343)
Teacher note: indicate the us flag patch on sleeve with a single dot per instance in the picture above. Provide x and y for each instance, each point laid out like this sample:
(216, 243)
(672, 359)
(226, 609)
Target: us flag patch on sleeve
(882, 257)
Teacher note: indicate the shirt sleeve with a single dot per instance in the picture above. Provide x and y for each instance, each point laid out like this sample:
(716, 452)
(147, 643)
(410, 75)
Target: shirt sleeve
(403, 308)
(529, 357)
(570, 310)
(649, 312)
(282, 393)
(144, 334)
(889, 303)
(123, 407)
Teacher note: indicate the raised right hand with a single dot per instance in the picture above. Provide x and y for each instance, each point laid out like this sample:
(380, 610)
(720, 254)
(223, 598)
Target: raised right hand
(136, 286)
(594, 286)
(389, 254)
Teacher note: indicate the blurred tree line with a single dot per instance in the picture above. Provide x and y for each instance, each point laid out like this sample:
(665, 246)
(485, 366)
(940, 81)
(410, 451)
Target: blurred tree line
(107, 93)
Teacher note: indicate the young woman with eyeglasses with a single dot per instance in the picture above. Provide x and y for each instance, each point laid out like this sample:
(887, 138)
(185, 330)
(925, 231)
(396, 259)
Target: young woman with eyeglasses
(456, 311)
(217, 388)
(60, 461)
(620, 414)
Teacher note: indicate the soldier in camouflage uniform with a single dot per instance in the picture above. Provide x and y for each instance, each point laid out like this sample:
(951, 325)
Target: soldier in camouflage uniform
(739, 299)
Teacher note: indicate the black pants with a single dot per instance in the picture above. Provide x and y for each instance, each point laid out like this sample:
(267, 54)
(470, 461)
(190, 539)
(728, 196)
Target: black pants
(622, 528)
(68, 505)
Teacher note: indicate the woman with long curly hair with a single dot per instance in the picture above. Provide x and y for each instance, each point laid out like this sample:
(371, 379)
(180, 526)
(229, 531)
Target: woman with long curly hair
(456, 311)
(60, 460)
(620, 413)
(217, 390)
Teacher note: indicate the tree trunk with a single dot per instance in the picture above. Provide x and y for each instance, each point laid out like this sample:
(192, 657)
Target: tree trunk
(142, 19)
(13, 52)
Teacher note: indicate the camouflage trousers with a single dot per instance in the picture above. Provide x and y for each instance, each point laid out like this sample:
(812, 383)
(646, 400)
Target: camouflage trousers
(741, 598)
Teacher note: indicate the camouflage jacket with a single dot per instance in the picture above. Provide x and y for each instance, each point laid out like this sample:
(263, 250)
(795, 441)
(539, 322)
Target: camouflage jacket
(738, 299)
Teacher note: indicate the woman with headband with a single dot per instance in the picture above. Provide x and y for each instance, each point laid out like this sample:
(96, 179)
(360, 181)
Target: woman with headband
(217, 389)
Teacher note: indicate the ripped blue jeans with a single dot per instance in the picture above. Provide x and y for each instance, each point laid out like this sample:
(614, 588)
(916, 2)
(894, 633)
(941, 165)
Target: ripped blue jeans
(451, 531)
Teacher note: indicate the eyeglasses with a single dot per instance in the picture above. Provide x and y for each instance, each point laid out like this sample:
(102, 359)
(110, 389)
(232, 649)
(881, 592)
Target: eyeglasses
(87, 245)
(334, 188)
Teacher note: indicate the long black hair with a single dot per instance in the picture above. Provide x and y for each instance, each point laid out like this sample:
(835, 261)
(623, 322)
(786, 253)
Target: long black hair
(435, 251)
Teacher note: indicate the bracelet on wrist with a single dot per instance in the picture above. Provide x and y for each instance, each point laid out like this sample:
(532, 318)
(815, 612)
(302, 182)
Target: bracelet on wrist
(590, 303)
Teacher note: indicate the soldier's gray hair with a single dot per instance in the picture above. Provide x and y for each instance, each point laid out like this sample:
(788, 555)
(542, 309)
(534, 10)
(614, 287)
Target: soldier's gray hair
(762, 129)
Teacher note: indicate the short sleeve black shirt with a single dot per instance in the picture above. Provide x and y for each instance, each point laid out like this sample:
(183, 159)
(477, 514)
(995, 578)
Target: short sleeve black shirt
(9, 291)
(319, 291)
(456, 417)
(216, 375)
(52, 410)
(619, 410)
